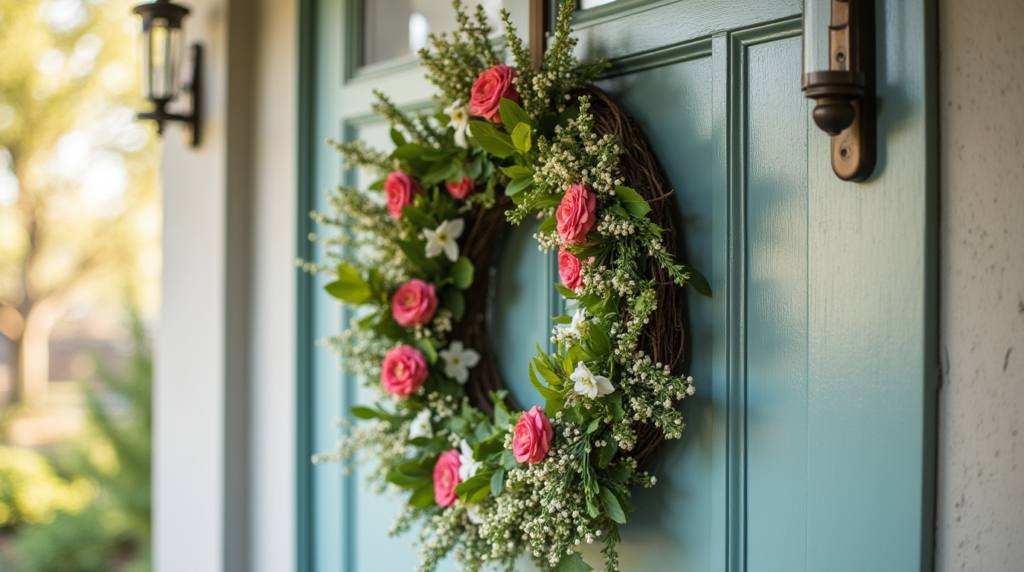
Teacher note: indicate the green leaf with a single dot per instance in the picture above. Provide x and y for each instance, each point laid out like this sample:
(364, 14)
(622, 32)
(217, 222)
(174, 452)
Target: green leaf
(517, 171)
(563, 319)
(508, 460)
(632, 201)
(572, 563)
(518, 185)
(350, 286)
(545, 392)
(397, 137)
(620, 472)
(377, 185)
(553, 406)
(416, 216)
(454, 301)
(476, 168)
(624, 501)
(615, 404)
(423, 496)
(491, 140)
(364, 412)
(521, 137)
(611, 506)
(607, 453)
(415, 251)
(572, 415)
(599, 341)
(502, 418)
(549, 224)
(409, 151)
(565, 292)
(498, 483)
(512, 114)
(476, 488)
(549, 201)
(428, 349)
(575, 355)
(698, 282)
(462, 273)
(594, 424)
(546, 372)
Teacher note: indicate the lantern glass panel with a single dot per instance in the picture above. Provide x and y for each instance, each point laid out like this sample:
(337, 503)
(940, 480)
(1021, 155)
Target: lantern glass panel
(817, 17)
(161, 60)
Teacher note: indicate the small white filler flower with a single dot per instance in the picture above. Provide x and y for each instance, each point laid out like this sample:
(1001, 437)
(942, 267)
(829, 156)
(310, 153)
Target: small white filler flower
(420, 426)
(443, 239)
(458, 360)
(589, 384)
(467, 466)
(460, 122)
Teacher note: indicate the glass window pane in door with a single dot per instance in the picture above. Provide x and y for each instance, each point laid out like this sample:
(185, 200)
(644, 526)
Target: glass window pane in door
(398, 28)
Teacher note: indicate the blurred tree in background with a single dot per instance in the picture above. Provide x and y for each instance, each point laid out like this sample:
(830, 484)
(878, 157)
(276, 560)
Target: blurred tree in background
(112, 531)
(78, 207)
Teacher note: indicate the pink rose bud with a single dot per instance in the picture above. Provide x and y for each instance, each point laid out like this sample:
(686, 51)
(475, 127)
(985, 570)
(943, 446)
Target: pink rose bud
(570, 269)
(532, 436)
(414, 303)
(400, 190)
(446, 477)
(461, 189)
(490, 87)
(576, 215)
(404, 371)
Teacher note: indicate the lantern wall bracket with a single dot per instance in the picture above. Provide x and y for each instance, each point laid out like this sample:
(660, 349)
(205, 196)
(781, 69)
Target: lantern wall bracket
(193, 89)
(845, 93)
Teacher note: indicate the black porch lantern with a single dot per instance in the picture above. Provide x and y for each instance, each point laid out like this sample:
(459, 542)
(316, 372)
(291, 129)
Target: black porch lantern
(161, 61)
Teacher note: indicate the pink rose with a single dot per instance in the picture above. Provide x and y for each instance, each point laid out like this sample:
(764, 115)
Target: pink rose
(569, 268)
(400, 189)
(414, 303)
(490, 87)
(532, 436)
(404, 371)
(461, 189)
(446, 477)
(576, 215)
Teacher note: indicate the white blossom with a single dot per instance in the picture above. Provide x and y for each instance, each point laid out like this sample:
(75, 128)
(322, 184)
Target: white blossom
(458, 360)
(589, 384)
(459, 121)
(577, 320)
(443, 239)
(467, 466)
(420, 426)
(474, 514)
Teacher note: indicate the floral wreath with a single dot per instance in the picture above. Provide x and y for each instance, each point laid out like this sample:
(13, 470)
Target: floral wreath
(508, 143)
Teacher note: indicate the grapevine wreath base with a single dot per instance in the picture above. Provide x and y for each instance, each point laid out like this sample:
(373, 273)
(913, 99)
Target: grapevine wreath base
(489, 481)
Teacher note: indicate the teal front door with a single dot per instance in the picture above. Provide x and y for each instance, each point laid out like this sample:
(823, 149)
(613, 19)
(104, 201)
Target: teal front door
(809, 445)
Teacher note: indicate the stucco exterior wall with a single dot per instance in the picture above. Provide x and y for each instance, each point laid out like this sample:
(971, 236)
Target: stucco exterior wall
(980, 499)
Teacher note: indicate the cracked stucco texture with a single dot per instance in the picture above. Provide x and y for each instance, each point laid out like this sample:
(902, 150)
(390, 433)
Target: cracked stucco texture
(980, 497)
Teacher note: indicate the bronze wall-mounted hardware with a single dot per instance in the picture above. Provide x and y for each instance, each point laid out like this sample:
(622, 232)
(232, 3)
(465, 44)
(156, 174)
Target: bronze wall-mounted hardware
(844, 93)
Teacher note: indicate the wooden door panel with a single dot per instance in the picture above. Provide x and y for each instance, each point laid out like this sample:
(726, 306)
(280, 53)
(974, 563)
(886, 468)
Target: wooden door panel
(807, 446)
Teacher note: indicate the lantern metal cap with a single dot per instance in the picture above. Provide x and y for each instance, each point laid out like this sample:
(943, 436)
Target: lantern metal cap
(165, 9)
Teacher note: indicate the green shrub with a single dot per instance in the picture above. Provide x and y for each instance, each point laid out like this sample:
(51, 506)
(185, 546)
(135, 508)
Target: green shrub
(31, 492)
